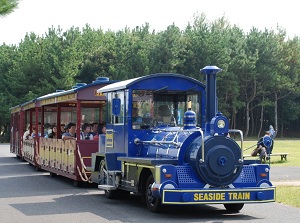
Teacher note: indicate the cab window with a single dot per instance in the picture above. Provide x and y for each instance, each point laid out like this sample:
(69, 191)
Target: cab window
(150, 109)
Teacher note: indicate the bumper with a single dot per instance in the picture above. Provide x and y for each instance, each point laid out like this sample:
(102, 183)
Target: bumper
(219, 196)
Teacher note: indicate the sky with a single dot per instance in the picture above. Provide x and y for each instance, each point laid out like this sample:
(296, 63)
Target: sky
(39, 15)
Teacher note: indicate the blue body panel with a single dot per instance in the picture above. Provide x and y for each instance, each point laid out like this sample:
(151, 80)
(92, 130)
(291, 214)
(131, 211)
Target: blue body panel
(218, 196)
(124, 135)
(190, 189)
(195, 162)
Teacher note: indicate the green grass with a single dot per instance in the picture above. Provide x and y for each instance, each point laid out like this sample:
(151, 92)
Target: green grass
(280, 146)
(288, 195)
(284, 194)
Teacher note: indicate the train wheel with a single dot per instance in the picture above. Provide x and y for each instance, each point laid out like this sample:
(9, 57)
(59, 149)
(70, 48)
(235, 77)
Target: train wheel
(153, 203)
(234, 208)
(102, 179)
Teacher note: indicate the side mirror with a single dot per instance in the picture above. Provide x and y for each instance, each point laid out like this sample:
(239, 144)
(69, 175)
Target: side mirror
(116, 106)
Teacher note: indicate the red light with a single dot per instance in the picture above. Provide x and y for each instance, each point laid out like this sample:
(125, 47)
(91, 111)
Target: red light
(168, 175)
(263, 175)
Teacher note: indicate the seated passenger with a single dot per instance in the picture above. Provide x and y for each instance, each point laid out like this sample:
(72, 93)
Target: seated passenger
(86, 133)
(36, 133)
(95, 128)
(47, 127)
(27, 133)
(53, 132)
(101, 130)
(135, 116)
(62, 130)
(71, 132)
(33, 134)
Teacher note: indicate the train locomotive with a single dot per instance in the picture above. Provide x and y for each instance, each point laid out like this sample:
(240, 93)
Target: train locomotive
(166, 140)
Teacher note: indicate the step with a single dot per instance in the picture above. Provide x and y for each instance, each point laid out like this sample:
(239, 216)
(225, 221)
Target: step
(106, 187)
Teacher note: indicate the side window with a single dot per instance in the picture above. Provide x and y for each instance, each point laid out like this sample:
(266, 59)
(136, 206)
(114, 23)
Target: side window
(170, 108)
(142, 109)
(90, 115)
(115, 119)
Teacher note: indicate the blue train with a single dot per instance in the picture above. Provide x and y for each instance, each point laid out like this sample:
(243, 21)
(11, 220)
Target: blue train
(166, 140)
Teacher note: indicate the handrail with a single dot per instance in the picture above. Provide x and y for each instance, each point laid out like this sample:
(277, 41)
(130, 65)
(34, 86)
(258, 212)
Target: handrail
(202, 146)
(242, 139)
(137, 141)
(83, 172)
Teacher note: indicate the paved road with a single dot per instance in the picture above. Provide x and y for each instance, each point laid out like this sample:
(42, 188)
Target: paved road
(27, 196)
(285, 175)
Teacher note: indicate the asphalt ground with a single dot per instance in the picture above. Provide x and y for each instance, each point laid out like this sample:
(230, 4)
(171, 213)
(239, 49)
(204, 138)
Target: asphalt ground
(285, 175)
(29, 196)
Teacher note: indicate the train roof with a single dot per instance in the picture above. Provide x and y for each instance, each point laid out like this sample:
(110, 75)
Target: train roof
(78, 87)
(127, 84)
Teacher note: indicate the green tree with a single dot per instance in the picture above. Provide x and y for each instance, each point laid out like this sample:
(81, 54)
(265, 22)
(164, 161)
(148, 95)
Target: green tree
(240, 63)
(7, 99)
(286, 83)
(8, 6)
(168, 52)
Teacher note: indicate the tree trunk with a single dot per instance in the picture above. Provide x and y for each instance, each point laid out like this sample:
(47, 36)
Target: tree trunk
(281, 130)
(252, 122)
(275, 111)
(261, 120)
(247, 119)
(233, 118)
(248, 101)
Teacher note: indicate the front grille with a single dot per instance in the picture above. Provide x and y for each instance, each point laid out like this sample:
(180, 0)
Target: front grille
(247, 175)
(185, 174)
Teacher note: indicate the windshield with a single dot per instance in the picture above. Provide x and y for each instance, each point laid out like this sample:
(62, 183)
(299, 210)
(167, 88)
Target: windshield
(151, 109)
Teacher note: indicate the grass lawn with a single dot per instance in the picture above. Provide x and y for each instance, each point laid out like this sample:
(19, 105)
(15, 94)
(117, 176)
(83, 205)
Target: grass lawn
(284, 194)
(280, 146)
(288, 195)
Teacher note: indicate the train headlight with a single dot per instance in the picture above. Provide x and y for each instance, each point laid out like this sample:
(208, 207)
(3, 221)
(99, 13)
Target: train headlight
(221, 124)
